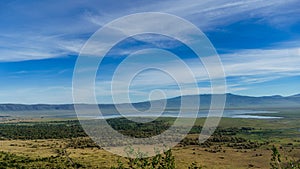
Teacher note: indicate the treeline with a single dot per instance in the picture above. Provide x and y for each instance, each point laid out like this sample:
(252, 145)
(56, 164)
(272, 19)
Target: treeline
(139, 130)
(73, 129)
(41, 130)
(77, 138)
(60, 161)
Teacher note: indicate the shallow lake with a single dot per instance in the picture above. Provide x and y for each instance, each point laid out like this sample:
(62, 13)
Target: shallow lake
(255, 114)
(226, 113)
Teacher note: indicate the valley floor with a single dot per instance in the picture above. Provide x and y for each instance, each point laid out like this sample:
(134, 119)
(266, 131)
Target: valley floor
(237, 143)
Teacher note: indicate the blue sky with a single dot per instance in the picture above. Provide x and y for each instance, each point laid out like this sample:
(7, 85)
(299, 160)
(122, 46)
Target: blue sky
(257, 41)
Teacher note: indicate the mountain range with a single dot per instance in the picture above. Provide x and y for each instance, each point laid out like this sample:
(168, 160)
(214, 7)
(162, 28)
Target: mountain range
(232, 102)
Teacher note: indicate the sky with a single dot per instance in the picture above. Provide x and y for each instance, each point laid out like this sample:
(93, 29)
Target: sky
(258, 42)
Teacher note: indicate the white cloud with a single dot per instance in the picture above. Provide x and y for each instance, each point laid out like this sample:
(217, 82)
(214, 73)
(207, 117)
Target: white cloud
(210, 13)
(280, 62)
(242, 68)
(20, 47)
(55, 30)
(34, 95)
(59, 18)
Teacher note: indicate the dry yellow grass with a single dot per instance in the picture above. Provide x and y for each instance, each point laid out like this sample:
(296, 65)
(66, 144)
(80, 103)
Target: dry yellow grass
(222, 160)
(184, 156)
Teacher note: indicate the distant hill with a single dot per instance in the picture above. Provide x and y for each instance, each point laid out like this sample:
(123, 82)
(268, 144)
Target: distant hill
(297, 95)
(24, 107)
(232, 101)
(237, 101)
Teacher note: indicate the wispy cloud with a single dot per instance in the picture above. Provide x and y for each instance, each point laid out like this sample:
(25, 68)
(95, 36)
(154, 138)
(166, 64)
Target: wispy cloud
(60, 28)
(20, 47)
(52, 29)
(208, 14)
(263, 62)
(34, 95)
(245, 67)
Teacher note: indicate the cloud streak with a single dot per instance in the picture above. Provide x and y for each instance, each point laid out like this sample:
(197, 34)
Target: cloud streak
(47, 29)
(242, 68)
(20, 47)
(60, 28)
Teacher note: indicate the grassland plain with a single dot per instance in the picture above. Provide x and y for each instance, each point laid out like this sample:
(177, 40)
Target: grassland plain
(237, 143)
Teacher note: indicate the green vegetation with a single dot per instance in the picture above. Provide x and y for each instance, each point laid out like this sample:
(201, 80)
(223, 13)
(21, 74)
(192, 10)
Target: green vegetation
(237, 143)
(60, 161)
(41, 130)
(278, 163)
(165, 161)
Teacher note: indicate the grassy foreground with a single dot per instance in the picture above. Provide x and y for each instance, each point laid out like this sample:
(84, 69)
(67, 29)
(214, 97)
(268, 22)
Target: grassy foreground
(237, 143)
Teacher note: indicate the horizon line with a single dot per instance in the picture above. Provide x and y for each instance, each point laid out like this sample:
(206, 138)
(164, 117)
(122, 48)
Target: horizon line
(32, 104)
